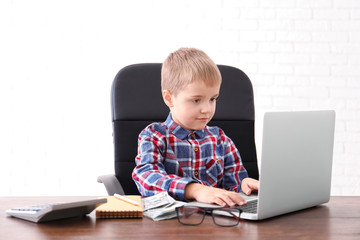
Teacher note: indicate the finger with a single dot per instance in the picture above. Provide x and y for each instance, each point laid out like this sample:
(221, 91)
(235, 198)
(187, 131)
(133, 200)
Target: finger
(236, 199)
(241, 202)
(219, 201)
(253, 186)
(225, 198)
(228, 200)
(246, 189)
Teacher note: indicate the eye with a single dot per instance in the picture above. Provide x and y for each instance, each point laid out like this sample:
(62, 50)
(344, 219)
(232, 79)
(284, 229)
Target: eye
(196, 100)
(213, 99)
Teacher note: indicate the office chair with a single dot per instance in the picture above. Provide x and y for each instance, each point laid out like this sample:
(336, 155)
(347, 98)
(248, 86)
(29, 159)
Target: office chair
(136, 101)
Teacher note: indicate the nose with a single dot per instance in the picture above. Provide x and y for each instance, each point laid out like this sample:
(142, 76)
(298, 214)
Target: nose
(206, 108)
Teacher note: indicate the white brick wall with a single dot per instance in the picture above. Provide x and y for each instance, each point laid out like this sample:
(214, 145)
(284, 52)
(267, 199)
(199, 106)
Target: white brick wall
(307, 57)
(58, 60)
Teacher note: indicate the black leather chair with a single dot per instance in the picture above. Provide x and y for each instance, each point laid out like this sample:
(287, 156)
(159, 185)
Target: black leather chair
(136, 101)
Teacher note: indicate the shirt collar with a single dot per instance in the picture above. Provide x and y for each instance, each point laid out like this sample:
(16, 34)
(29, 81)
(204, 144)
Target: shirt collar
(181, 132)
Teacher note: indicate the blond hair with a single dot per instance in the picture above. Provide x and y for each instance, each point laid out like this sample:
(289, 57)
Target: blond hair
(185, 66)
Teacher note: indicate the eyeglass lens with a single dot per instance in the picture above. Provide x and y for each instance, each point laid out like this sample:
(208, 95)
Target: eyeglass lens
(226, 217)
(191, 215)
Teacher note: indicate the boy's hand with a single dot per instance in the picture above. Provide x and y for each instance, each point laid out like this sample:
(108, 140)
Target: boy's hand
(249, 185)
(205, 194)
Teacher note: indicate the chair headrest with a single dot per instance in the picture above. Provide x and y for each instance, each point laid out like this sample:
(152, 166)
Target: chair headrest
(140, 86)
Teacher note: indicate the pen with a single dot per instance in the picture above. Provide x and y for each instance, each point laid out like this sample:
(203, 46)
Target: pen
(125, 199)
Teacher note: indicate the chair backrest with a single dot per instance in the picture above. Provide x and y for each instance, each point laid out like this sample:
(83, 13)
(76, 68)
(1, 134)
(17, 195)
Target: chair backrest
(136, 101)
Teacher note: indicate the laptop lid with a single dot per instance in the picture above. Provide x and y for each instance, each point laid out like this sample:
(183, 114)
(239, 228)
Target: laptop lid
(296, 161)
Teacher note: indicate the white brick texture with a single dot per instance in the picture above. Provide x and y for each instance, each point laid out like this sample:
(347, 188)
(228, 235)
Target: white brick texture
(313, 63)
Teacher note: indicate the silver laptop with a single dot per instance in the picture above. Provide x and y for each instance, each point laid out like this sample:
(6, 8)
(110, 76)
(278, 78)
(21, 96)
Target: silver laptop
(296, 163)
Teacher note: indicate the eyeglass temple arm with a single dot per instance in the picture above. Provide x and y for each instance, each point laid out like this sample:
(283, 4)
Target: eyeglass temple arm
(234, 215)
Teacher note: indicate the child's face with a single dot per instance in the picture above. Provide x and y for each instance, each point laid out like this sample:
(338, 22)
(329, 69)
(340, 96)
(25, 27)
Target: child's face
(194, 106)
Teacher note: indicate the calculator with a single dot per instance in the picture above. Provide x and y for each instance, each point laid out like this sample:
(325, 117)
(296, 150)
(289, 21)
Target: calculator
(55, 211)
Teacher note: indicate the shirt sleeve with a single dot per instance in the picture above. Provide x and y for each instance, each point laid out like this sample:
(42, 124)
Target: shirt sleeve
(234, 170)
(149, 174)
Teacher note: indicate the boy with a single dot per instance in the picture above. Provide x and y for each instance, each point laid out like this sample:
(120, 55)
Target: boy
(184, 156)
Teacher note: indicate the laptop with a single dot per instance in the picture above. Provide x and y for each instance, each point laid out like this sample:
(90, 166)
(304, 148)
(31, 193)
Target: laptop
(296, 164)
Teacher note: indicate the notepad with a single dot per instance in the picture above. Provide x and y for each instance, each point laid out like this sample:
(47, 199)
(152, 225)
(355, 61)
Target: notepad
(115, 208)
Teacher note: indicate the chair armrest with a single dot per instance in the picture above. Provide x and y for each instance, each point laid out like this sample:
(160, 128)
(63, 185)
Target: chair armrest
(111, 183)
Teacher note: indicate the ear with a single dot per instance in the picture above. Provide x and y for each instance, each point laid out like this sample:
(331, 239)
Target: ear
(167, 98)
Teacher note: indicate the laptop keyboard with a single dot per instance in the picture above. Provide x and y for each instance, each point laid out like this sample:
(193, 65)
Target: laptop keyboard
(250, 207)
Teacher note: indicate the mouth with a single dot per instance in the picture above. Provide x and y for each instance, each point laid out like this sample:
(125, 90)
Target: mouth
(203, 119)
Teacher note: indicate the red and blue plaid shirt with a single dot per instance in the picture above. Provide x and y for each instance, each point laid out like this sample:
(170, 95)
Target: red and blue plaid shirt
(169, 157)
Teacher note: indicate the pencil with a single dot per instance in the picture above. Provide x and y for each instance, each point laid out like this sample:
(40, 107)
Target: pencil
(125, 199)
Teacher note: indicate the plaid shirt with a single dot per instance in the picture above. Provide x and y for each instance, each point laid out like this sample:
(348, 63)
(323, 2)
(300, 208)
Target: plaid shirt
(169, 157)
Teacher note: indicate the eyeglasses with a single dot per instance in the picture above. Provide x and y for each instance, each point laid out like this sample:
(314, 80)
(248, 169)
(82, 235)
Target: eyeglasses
(222, 216)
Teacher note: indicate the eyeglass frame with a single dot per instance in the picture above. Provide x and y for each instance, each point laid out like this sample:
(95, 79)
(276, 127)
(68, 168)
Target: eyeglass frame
(210, 211)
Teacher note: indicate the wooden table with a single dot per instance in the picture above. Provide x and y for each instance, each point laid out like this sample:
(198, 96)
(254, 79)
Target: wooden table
(338, 219)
